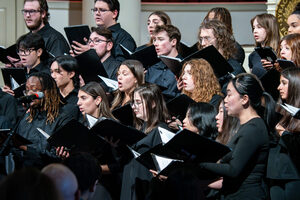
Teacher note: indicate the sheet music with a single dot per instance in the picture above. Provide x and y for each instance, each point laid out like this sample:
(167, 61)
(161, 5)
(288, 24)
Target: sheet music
(91, 120)
(165, 135)
(162, 162)
(14, 83)
(291, 109)
(134, 153)
(46, 135)
(110, 83)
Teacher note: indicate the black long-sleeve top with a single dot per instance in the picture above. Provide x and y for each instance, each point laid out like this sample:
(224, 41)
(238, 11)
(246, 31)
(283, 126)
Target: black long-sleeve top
(161, 75)
(246, 164)
(120, 36)
(292, 142)
(38, 153)
(55, 42)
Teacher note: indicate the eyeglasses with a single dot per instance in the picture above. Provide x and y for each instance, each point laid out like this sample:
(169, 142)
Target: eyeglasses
(206, 39)
(136, 104)
(96, 41)
(101, 10)
(30, 12)
(25, 52)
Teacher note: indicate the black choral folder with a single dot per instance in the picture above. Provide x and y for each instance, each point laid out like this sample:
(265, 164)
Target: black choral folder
(219, 64)
(270, 81)
(124, 114)
(108, 128)
(90, 66)
(77, 33)
(178, 106)
(185, 147)
(186, 50)
(10, 51)
(266, 53)
(11, 75)
(76, 137)
(284, 64)
(147, 56)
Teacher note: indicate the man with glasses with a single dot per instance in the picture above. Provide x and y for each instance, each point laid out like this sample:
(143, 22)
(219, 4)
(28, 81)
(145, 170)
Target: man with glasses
(31, 49)
(34, 58)
(106, 13)
(36, 17)
(214, 32)
(101, 40)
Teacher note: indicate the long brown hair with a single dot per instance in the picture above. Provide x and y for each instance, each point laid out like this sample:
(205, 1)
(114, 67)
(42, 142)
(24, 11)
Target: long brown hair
(154, 104)
(164, 17)
(270, 24)
(224, 39)
(223, 15)
(293, 40)
(51, 101)
(205, 81)
(293, 98)
(137, 69)
(95, 90)
(230, 126)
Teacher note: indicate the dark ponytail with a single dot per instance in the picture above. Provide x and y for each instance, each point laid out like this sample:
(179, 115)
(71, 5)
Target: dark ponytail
(249, 84)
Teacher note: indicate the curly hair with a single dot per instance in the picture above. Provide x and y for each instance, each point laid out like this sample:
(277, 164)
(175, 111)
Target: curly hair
(270, 24)
(51, 101)
(205, 81)
(225, 42)
(293, 40)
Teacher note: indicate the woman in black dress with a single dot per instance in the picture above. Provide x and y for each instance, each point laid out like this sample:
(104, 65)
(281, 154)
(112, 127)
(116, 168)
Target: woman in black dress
(243, 169)
(150, 113)
(284, 157)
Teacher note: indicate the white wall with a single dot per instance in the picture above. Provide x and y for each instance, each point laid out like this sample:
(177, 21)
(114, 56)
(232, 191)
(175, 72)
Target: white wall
(189, 17)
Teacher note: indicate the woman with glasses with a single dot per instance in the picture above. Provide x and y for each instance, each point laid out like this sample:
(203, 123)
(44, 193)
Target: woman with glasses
(150, 113)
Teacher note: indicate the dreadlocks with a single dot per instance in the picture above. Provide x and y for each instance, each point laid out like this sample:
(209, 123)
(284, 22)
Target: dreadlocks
(51, 101)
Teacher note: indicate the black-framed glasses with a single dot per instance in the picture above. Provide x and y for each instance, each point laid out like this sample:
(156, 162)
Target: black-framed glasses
(96, 41)
(30, 12)
(25, 52)
(101, 10)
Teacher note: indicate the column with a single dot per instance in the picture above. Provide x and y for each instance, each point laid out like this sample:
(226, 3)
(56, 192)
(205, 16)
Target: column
(129, 18)
(87, 15)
